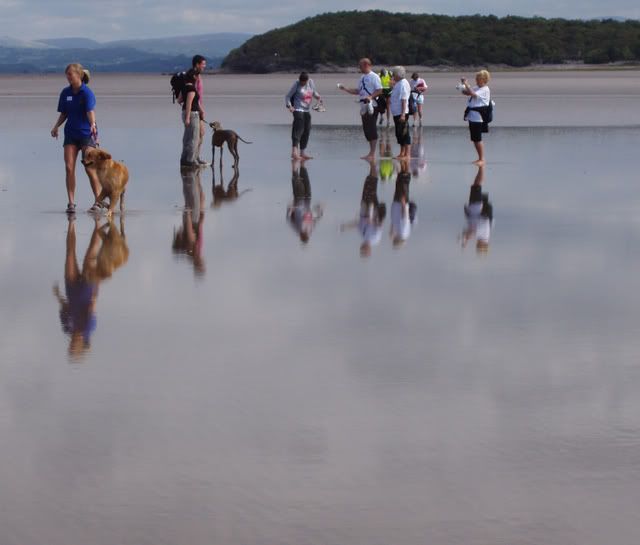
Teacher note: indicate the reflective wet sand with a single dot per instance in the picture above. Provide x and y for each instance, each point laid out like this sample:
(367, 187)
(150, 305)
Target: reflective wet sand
(196, 372)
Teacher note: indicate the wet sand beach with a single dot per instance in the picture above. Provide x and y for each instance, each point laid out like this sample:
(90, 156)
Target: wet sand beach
(234, 384)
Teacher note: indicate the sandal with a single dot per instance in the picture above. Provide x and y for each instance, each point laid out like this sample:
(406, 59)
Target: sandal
(71, 208)
(95, 207)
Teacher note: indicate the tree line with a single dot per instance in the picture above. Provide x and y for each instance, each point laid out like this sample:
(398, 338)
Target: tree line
(433, 40)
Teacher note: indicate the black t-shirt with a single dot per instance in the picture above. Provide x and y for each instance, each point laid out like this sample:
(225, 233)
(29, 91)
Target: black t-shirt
(190, 87)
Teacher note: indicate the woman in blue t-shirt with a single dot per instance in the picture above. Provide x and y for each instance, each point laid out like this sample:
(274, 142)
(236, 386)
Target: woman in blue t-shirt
(76, 106)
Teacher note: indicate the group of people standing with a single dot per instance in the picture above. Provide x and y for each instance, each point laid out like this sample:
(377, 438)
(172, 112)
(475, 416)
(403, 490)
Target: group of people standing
(391, 93)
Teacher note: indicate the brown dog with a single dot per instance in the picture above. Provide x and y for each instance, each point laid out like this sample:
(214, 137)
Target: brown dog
(113, 177)
(221, 136)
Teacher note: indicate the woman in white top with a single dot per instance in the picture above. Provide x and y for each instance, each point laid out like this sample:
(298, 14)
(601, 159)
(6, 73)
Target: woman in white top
(399, 105)
(479, 96)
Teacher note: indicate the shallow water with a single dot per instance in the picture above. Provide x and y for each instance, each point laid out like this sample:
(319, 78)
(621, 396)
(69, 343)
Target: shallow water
(241, 386)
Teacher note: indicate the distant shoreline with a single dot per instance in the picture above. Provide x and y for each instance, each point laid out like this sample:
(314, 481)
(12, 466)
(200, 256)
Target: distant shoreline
(564, 67)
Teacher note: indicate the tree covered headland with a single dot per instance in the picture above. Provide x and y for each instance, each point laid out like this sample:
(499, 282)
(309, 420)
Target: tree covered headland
(403, 38)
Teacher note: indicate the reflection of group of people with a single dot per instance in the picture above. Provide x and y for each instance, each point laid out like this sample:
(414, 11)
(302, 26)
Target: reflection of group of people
(373, 212)
(417, 159)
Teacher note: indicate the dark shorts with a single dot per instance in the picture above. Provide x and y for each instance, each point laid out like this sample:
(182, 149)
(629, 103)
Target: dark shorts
(80, 143)
(370, 126)
(475, 131)
(403, 136)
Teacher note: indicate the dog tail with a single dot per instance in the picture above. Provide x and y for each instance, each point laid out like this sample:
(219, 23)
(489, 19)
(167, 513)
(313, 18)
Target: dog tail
(240, 137)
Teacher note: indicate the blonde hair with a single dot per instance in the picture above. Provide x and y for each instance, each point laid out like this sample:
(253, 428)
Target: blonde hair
(484, 75)
(86, 76)
(75, 67)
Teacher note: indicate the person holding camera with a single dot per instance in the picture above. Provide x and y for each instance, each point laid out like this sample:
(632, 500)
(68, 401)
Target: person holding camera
(479, 97)
(369, 89)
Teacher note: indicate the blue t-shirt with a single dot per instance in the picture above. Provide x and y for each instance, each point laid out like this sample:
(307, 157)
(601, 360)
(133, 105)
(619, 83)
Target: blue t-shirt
(76, 107)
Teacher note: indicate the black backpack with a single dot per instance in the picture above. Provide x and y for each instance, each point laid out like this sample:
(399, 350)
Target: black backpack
(178, 81)
(412, 103)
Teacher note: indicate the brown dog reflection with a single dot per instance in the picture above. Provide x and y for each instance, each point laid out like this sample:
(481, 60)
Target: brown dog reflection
(188, 238)
(107, 251)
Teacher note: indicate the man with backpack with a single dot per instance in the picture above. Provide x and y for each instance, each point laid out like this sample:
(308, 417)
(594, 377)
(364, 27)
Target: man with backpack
(199, 63)
(187, 91)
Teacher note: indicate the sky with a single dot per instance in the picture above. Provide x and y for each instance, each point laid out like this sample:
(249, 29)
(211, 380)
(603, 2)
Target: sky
(106, 20)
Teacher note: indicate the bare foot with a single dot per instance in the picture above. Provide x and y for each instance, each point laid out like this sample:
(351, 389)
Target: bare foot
(295, 156)
(368, 157)
(479, 162)
(305, 156)
(399, 157)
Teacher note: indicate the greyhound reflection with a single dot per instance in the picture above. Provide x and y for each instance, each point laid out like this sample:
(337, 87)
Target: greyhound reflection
(107, 251)
(301, 216)
(372, 213)
(479, 215)
(188, 237)
(231, 194)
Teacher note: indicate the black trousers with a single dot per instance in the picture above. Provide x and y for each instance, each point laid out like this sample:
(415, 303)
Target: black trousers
(301, 129)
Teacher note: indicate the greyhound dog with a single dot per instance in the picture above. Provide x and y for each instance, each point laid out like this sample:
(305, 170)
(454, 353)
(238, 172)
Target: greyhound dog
(221, 136)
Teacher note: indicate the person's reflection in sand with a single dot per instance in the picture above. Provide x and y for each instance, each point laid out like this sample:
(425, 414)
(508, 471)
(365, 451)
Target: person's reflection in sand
(301, 216)
(418, 162)
(386, 166)
(403, 211)
(479, 216)
(372, 213)
(188, 238)
(107, 251)
(222, 195)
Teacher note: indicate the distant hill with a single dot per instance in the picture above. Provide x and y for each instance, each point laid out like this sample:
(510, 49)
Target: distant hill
(8, 41)
(403, 38)
(210, 45)
(152, 55)
(72, 43)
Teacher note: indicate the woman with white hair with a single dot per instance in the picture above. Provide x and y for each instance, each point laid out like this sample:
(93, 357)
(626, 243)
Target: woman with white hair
(479, 98)
(399, 105)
